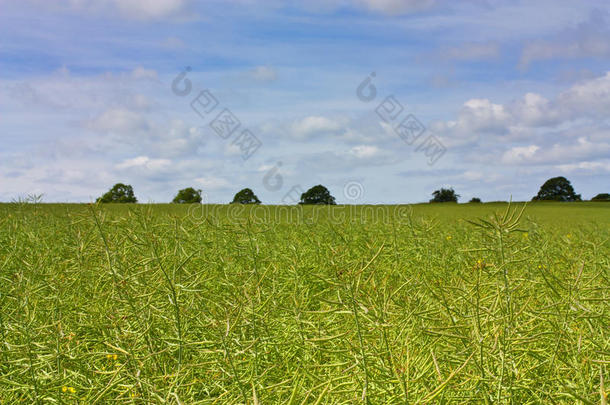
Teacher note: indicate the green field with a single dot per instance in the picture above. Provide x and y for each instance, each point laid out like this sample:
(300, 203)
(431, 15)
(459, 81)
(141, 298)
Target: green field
(233, 304)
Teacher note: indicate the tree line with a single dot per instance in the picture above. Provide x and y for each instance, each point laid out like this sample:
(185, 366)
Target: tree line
(554, 189)
(123, 193)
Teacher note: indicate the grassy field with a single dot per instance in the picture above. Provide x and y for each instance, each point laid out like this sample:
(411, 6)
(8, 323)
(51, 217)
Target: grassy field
(231, 304)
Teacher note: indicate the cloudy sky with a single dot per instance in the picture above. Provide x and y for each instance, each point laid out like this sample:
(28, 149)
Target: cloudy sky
(382, 101)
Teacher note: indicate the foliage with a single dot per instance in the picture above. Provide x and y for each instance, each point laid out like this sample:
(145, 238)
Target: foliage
(28, 199)
(119, 193)
(557, 189)
(504, 250)
(318, 195)
(245, 304)
(245, 196)
(188, 195)
(444, 195)
(601, 197)
(475, 200)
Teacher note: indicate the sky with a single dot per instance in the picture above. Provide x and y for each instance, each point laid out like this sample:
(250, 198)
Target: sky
(381, 101)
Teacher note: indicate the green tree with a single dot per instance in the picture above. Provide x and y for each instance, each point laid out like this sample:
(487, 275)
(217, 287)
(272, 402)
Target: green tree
(557, 189)
(245, 196)
(444, 195)
(119, 193)
(317, 195)
(475, 200)
(601, 197)
(188, 196)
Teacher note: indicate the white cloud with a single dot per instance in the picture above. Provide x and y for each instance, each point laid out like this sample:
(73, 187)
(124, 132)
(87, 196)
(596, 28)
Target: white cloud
(150, 8)
(212, 183)
(140, 102)
(314, 125)
(265, 168)
(588, 39)
(63, 90)
(527, 115)
(558, 153)
(119, 120)
(232, 149)
(472, 175)
(144, 162)
(143, 135)
(263, 74)
(341, 129)
(387, 7)
(364, 151)
(395, 7)
(586, 166)
(471, 52)
(141, 73)
(476, 116)
(483, 115)
(361, 156)
(534, 110)
(132, 9)
(176, 139)
(589, 98)
(582, 149)
(519, 154)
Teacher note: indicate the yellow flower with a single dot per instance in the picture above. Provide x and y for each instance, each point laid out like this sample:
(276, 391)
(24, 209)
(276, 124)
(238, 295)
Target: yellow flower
(449, 237)
(71, 389)
(64, 389)
(114, 357)
(68, 389)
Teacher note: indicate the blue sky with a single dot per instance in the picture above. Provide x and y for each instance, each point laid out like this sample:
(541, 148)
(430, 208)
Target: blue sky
(510, 93)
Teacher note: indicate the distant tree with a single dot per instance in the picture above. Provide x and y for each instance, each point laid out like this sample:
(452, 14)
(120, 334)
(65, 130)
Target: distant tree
(119, 193)
(245, 196)
(475, 200)
(557, 189)
(444, 195)
(188, 196)
(317, 195)
(601, 197)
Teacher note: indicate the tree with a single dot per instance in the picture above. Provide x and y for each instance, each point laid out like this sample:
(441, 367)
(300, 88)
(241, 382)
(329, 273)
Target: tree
(601, 197)
(317, 195)
(557, 189)
(475, 200)
(444, 195)
(188, 196)
(119, 193)
(245, 196)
